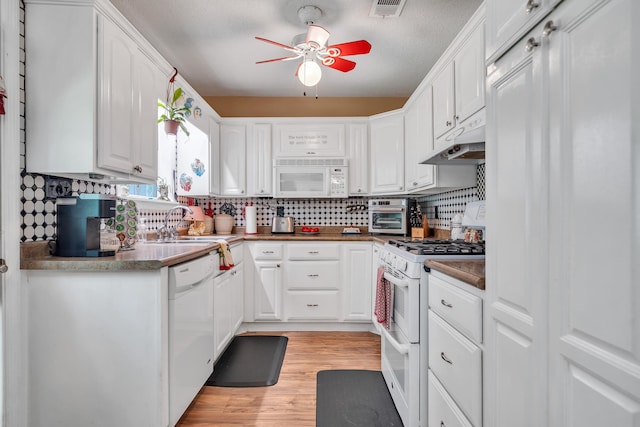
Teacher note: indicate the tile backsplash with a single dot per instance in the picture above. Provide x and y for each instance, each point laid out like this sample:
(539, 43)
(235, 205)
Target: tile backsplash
(39, 214)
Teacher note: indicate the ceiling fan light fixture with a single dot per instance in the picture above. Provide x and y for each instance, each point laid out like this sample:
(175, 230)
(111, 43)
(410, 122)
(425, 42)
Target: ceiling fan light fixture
(309, 73)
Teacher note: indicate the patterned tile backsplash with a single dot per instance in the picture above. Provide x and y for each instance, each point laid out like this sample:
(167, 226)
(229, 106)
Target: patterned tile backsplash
(39, 214)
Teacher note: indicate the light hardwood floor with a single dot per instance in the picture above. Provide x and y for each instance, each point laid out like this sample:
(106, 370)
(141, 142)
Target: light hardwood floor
(292, 401)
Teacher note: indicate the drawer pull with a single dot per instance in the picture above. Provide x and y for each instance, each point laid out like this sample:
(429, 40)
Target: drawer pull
(446, 304)
(267, 252)
(442, 424)
(313, 275)
(445, 358)
(312, 252)
(312, 305)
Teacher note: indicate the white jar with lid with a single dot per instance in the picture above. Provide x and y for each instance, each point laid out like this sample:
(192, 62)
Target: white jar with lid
(457, 232)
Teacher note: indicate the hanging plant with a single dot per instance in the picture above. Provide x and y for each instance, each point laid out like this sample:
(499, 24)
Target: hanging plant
(174, 115)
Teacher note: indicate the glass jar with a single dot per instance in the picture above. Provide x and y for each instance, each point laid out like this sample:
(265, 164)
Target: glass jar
(108, 239)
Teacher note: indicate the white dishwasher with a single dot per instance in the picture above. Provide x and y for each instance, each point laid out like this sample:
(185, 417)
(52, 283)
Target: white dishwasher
(191, 344)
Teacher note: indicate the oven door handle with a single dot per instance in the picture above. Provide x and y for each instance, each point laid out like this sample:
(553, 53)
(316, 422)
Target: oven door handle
(398, 282)
(401, 348)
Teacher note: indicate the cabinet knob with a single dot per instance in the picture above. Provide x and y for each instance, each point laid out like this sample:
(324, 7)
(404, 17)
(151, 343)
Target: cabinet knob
(414, 183)
(457, 117)
(448, 123)
(137, 168)
(3, 266)
(531, 6)
(261, 191)
(241, 191)
(531, 44)
(549, 28)
(442, 423)
(277, 265)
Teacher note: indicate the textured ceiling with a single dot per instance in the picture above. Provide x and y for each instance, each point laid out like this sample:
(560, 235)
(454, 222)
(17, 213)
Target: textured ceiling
(212, 43)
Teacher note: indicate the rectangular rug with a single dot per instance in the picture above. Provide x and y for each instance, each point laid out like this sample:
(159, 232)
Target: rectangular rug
(350, 398)
(250, 361)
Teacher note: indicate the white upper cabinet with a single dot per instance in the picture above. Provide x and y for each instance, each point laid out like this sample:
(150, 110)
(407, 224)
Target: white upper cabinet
(509, 20)
(358, 157)
(309, 140)
(103, 126)
(458, 88)
(387, 153)
(259, 167)
(418, 125)
(233, 140)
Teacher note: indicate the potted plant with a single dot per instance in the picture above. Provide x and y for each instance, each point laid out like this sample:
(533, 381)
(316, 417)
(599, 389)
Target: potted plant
(174, 115)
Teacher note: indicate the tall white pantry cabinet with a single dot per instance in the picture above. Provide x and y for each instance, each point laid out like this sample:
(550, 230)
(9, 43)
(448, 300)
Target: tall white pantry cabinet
(562, 320)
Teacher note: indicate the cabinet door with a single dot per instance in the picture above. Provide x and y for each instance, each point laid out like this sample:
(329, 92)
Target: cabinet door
(358, 156)
(116, 118)
(309, 140)
(267, 291)
(148, 82)
(517, 184)
(443, 99)
(594, 157)
(508, 20)
(232, 159)
(470, 76)
(222, 312)
(214, 159)
(356, 281)
(418, 123)
(237, 298)
(387, 154)
(259, 166)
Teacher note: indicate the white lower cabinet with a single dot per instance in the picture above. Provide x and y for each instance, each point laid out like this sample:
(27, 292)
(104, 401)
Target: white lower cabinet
(308, 281)
(443, 411)
(228, 303)
(455, 352)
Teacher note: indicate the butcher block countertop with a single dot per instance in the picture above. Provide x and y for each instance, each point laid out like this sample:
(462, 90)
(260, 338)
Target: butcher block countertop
(469, 271)
(153, 256)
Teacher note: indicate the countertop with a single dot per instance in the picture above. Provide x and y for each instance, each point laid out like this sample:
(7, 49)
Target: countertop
(469, 271)
(153, 256)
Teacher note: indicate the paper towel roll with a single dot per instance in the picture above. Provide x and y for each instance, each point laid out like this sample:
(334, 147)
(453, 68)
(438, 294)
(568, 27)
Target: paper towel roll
(250, 217)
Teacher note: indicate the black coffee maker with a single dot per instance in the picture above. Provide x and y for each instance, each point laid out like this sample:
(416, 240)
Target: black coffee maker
(78, 220)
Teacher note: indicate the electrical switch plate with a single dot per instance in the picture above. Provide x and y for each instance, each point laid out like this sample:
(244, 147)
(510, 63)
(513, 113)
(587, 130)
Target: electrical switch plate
(57, 187)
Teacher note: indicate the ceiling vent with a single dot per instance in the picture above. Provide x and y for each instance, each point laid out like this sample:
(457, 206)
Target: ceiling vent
(386, 8)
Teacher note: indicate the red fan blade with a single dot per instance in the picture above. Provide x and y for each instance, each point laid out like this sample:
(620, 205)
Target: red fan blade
(343, 65)
(285, 58)
(284, 46)
(359, 47)
(317, 36)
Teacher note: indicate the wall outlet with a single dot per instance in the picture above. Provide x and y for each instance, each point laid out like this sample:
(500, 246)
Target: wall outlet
(57, 187)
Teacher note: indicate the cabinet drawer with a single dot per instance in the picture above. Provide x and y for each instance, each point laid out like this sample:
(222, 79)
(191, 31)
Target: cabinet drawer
(266, 251)
(457, 363)
(312, 305)
(443, 411)
(306, 252)
(313, 275)
(461, 309)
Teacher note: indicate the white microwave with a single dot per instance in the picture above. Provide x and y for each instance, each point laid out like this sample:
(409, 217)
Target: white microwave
(310, 177)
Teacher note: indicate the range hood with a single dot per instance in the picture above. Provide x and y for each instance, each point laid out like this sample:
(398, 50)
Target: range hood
(462, 146)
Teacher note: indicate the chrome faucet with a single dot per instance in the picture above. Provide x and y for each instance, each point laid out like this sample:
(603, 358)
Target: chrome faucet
(165, 232)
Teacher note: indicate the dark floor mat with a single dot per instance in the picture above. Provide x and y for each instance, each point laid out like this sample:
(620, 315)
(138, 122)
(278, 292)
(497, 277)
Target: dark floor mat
(250, 361)
(350, 398)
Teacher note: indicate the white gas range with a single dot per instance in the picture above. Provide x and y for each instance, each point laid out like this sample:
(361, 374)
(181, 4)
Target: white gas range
(405, 343)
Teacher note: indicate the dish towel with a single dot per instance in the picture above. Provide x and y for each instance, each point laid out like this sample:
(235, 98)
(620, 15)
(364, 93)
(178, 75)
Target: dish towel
(226, 260)
(384, 300)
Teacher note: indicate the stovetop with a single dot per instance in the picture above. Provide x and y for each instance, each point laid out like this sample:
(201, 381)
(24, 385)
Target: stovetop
(438, 247)
(407, 256)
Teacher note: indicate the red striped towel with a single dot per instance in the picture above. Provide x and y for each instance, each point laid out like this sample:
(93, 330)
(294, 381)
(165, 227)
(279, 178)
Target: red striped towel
(384, 300)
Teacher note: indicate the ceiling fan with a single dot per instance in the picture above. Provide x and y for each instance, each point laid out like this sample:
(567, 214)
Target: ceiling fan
(312, 46)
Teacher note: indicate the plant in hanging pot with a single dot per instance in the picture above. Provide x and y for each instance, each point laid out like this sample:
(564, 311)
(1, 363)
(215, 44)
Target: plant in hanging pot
(174, 115)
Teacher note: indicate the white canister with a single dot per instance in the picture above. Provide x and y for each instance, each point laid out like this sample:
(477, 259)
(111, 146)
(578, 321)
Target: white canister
(251, 220)
(457, 232)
